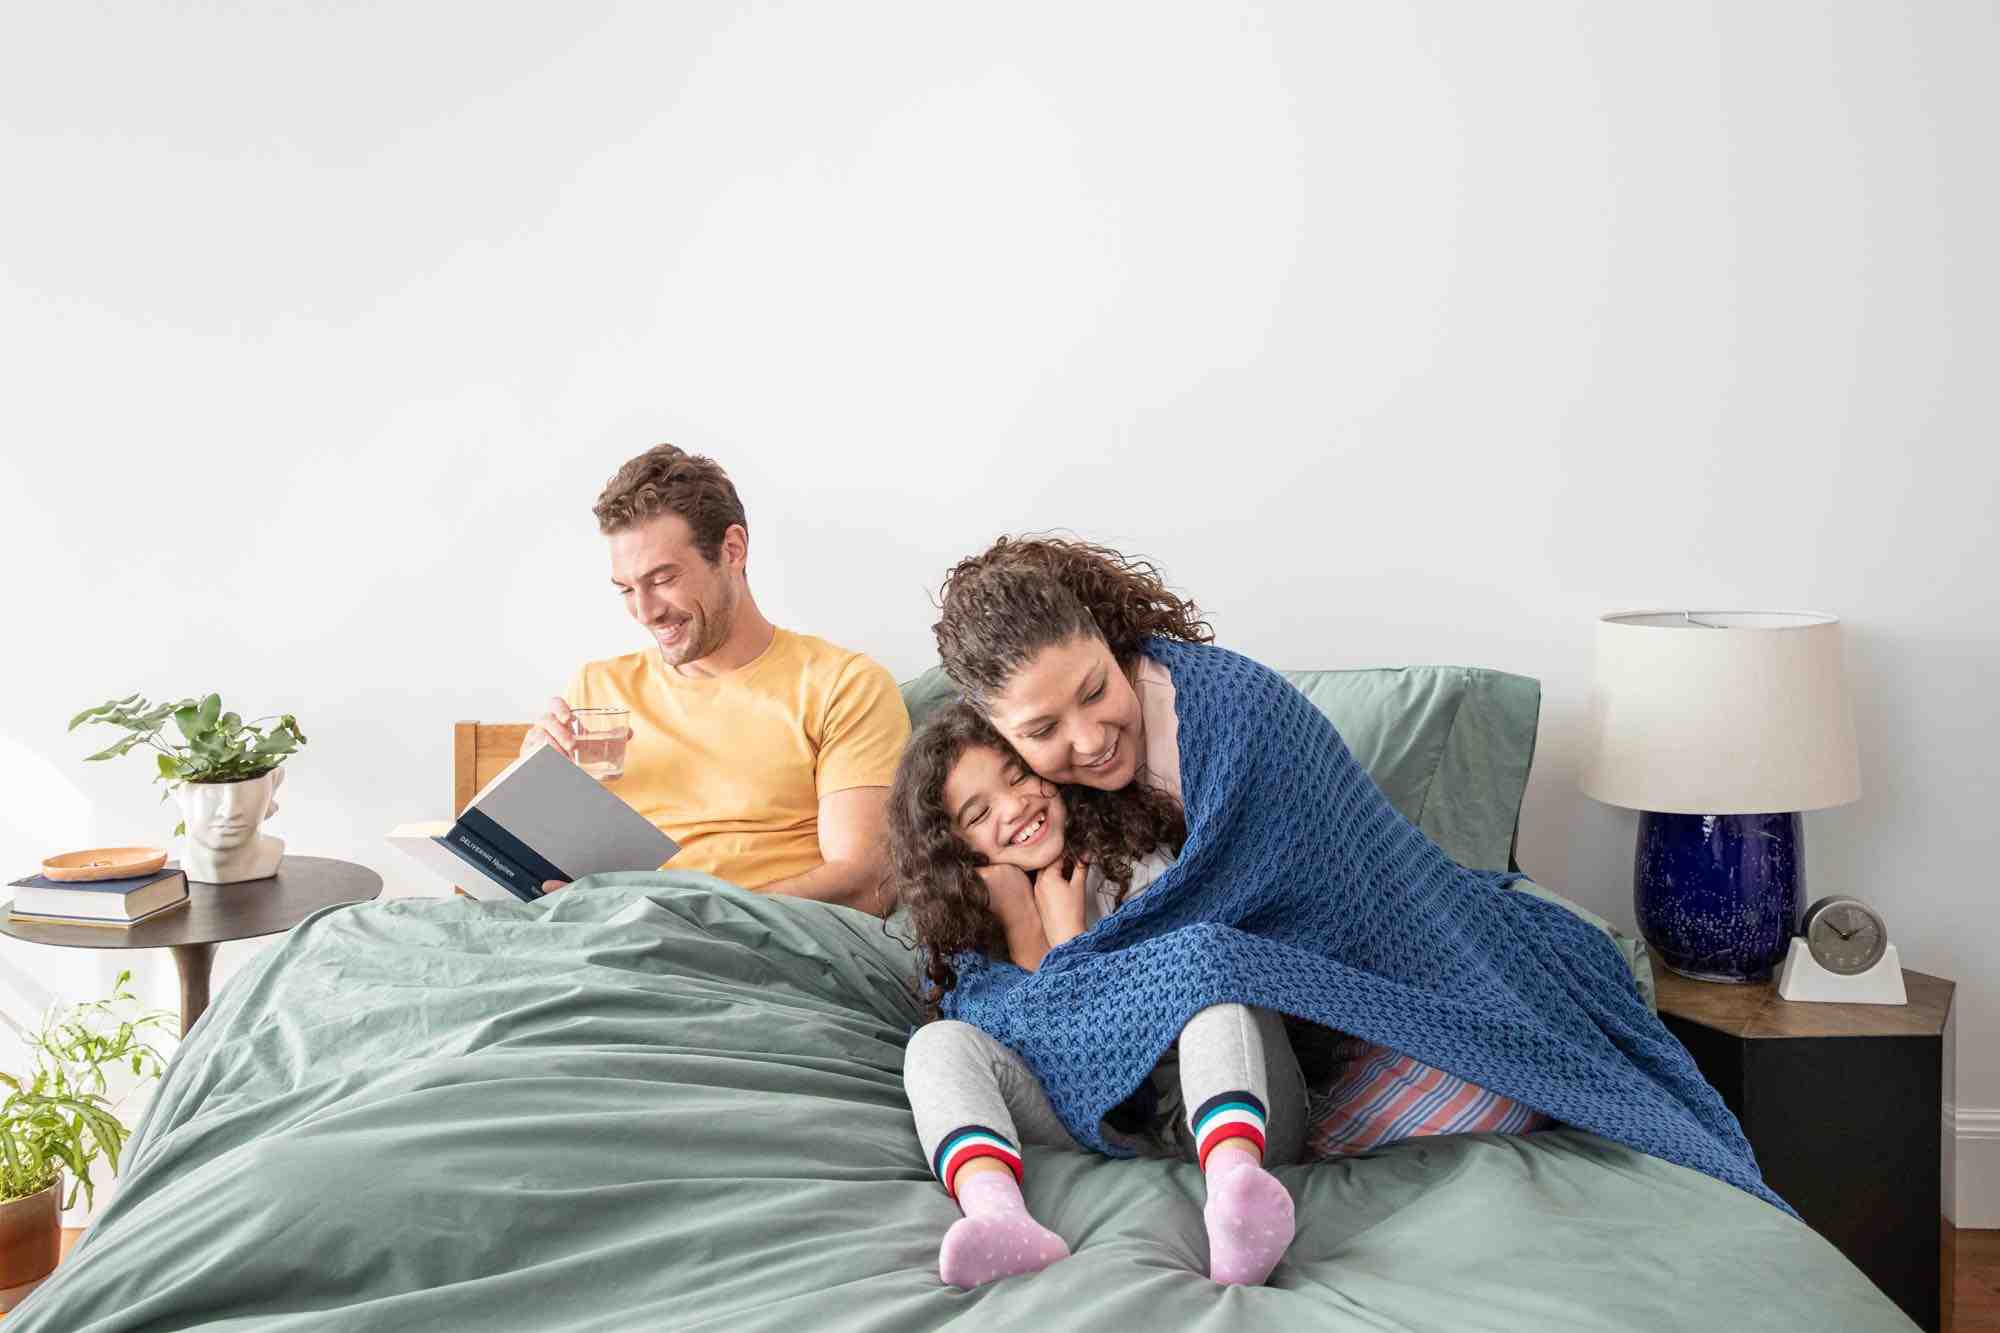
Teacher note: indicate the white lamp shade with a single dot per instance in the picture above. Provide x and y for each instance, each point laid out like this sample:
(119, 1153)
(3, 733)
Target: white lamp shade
(1721, 713)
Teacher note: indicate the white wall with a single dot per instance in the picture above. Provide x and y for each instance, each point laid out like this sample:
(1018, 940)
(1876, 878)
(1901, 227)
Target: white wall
(1399, 333)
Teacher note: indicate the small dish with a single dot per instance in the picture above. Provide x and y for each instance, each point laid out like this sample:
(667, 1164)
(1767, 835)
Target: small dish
(105, 863)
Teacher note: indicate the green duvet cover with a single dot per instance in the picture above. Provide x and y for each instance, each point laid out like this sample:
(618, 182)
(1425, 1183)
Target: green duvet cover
(667, 1103)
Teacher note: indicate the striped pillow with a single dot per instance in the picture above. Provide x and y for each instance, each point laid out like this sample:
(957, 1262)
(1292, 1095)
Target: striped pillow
(1379, 1096)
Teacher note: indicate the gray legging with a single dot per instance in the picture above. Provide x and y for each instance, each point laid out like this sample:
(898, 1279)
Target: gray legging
(956, 1076)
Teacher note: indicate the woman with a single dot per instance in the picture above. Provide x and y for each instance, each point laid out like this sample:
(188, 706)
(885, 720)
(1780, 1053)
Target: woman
(1043, 667)
(1065, 679)
(1299, 890)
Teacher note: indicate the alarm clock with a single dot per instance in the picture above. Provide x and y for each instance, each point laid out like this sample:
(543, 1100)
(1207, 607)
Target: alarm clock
(1842, 954)
(1846, 935)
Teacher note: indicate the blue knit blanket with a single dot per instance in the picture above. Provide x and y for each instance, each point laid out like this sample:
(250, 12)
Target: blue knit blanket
(1301, 889)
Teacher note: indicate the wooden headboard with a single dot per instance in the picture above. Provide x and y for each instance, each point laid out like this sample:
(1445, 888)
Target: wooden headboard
(479, 750)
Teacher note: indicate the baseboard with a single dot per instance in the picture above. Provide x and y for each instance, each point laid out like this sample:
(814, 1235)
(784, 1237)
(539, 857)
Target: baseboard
(1973, 1196)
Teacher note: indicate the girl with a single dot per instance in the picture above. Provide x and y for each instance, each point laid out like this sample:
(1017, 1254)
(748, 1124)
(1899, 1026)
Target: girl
(996, 861)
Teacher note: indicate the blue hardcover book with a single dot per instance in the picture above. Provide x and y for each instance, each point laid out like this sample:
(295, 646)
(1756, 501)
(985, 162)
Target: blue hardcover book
(106, 901)
(114, 923)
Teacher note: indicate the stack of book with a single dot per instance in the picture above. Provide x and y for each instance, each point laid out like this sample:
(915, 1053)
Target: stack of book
(103, 902)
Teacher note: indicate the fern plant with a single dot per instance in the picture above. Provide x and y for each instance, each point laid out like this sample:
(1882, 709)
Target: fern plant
(59, 1116)
(214, 747)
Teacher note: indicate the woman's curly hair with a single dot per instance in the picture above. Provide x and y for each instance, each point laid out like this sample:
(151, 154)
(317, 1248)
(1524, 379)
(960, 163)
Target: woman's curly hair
(937, 871)
(1002, 607)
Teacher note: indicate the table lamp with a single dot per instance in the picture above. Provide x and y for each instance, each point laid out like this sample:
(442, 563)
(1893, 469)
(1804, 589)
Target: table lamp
(1720, 727)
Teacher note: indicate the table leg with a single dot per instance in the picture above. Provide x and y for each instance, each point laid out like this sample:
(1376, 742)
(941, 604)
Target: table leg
(193, 962)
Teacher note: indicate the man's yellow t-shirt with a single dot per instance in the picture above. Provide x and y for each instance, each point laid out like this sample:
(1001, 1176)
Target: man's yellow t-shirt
(733, 767)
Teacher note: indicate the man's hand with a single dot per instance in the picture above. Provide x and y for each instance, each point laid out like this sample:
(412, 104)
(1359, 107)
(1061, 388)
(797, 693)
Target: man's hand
(552, 728)
(549, 886)
(1059, 899)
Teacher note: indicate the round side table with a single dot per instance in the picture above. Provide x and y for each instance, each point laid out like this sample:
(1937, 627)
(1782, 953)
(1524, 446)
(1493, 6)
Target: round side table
(216, 913)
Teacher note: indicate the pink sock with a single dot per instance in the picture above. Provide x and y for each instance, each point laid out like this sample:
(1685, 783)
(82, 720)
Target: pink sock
(1249, 1217)
(996, 1238)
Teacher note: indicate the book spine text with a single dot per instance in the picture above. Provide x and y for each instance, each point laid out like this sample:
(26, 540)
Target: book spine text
(483, 858)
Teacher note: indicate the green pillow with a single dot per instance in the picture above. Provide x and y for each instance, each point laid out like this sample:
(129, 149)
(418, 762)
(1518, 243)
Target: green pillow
(1450, 746)
(926, 694)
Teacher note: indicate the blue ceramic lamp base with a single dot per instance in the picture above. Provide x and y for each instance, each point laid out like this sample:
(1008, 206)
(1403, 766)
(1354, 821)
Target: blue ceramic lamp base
(1717, 896)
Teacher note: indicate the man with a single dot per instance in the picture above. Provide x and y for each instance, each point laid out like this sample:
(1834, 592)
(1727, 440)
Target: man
(767, 755)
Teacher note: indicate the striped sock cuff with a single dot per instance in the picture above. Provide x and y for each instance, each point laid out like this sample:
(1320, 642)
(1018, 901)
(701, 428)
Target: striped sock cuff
(1227, 1115)
(964, 1144)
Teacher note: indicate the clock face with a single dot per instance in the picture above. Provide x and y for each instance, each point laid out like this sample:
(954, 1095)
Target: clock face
(1846, 936)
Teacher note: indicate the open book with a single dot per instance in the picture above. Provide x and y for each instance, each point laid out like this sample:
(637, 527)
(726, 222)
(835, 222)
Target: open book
(541, 818)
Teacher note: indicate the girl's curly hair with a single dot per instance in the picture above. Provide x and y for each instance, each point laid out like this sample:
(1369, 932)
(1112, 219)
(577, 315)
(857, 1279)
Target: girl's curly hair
(937, 871)
(1002, 607)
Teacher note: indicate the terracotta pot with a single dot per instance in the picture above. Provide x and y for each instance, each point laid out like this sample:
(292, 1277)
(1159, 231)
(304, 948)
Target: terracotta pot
(30, 1243)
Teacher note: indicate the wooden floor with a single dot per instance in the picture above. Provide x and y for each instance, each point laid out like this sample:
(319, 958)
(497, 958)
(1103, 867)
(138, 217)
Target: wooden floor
(1973, 1304)
(1972, 1266)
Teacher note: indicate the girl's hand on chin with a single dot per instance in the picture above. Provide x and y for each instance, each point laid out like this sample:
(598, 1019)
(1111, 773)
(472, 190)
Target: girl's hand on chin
(1012, 901)
(1008, 888)
(1059, 898)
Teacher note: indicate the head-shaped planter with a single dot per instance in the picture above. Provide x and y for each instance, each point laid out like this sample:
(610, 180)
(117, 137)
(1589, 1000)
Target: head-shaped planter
(224, 843)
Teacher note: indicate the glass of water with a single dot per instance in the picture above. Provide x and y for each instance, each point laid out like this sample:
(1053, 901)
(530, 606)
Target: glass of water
(601, 734)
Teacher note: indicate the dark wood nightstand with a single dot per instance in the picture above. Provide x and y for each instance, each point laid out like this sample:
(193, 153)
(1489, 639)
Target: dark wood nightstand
(1844, 1106)
(215, 914)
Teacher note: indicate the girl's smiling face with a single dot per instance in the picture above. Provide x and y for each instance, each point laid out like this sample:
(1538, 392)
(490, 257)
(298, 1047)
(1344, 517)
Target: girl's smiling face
(1003, 811)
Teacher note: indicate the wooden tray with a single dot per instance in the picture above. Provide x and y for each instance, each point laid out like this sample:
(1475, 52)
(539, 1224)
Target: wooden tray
(105, 863)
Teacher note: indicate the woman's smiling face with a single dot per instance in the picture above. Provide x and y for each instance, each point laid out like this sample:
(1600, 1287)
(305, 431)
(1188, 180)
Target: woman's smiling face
(1073, 715)
(1007, 814)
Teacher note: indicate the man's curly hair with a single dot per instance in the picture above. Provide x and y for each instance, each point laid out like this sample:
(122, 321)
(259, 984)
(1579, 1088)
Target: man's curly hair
(937, 871)
(669, 480)
(1023, 594)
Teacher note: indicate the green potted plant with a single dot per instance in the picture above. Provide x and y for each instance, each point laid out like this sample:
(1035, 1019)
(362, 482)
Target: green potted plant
(59, 1119)
(224, 772)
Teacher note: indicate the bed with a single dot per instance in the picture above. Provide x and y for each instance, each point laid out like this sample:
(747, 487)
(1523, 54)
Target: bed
(658, 1101)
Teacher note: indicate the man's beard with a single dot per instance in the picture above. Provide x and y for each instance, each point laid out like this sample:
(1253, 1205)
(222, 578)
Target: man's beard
(706, 633)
